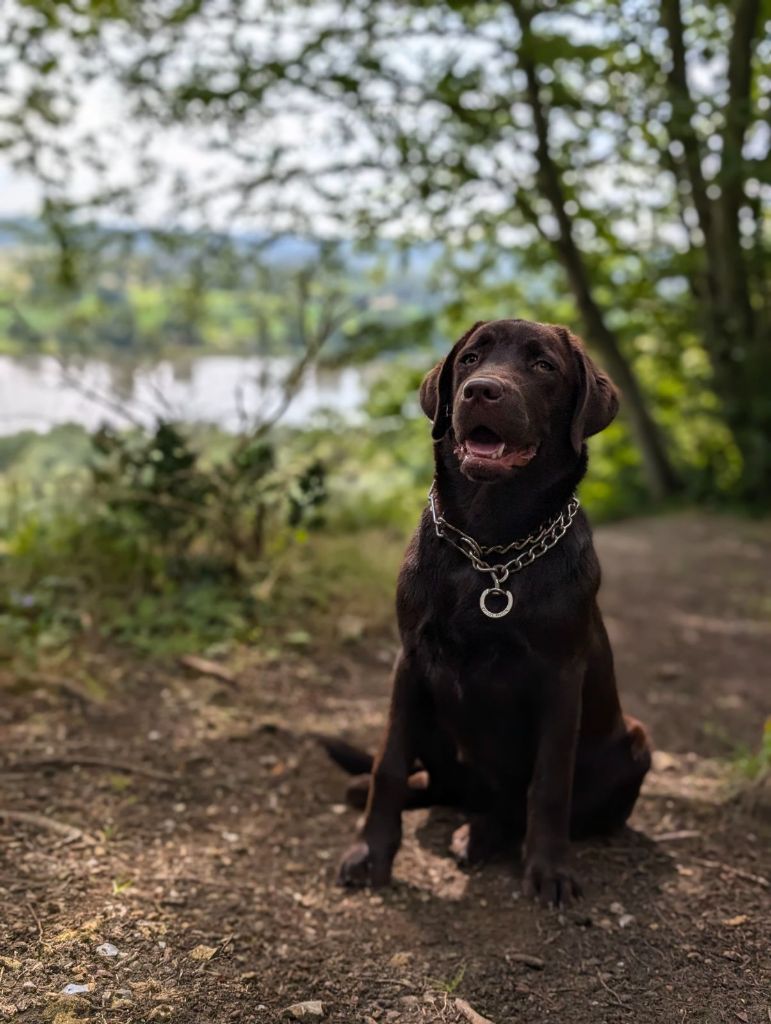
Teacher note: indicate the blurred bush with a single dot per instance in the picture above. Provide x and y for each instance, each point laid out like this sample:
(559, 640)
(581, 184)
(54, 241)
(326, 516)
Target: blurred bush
(145, 533)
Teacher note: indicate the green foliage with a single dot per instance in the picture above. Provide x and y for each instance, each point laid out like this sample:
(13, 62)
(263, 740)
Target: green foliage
(755, 764)
(449, 985)
(156, 480)
(151, 539)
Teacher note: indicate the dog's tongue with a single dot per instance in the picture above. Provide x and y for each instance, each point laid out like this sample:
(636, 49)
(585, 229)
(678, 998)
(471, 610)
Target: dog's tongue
(484, 449)
(487, 448)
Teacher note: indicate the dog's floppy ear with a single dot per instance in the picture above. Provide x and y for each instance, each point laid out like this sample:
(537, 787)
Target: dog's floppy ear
(436, 389)
(596, 396)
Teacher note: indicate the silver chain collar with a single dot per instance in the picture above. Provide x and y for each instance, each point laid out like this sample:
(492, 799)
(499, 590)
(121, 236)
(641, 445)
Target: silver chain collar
(528, 549)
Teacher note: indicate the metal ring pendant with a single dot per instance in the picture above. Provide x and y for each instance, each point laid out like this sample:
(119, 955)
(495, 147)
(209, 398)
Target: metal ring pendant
(499, 592)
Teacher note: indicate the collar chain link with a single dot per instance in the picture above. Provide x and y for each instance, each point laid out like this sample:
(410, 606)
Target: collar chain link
(527, 549)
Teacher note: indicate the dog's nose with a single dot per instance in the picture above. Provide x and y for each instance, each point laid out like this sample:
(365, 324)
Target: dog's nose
(482, 389)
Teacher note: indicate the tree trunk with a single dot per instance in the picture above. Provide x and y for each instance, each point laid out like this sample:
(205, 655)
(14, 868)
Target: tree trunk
(737, 336)
(742, 372)
(659, 473)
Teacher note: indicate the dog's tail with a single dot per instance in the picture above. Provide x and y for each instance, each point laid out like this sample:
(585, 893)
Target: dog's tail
(351, 759)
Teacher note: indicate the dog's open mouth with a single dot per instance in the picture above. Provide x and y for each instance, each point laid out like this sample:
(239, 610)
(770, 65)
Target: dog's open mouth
(484, 446)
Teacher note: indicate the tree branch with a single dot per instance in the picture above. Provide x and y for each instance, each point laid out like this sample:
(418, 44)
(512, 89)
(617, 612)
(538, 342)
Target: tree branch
(732, 171)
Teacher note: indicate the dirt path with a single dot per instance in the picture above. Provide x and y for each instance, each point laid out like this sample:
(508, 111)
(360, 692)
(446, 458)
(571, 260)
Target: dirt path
(210, 831)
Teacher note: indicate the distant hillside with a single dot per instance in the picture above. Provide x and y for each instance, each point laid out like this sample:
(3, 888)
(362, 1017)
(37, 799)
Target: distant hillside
(92, 288)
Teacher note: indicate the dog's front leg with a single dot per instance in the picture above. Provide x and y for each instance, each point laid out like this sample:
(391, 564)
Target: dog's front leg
(368, 861)
(547, 875)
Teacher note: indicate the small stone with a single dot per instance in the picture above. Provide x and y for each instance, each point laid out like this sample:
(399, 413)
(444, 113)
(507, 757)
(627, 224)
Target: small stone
(616, 908)
(625, 920)
(311, 1009)
(107, 949)
(75, 990)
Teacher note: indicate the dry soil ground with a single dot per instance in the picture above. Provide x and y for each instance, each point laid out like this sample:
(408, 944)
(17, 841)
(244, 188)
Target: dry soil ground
(202, 825)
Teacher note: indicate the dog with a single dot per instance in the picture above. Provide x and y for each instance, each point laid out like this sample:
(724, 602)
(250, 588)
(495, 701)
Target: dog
(504, 699)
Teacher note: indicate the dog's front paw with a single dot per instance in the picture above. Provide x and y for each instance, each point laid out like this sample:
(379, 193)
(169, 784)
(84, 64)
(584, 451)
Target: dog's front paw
(365, 863)
(550, 881)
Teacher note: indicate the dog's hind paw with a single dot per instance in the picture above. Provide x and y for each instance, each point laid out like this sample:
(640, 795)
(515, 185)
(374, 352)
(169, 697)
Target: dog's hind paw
(476, 841)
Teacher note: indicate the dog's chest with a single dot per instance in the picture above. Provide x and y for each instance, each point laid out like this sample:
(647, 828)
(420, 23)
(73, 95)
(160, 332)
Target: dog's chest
(487, 676)
(481, 668)
(486, 701)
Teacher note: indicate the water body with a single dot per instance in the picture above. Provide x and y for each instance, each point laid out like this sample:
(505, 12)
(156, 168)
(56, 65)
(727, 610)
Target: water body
(230, 391)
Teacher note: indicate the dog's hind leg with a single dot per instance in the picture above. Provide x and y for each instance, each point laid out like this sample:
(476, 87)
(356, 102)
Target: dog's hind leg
(437, 777)
(420, 792)
(607, 781)
(478, 840)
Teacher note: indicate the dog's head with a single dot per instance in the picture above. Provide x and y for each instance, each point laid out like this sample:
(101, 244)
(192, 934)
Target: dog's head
(511, 389)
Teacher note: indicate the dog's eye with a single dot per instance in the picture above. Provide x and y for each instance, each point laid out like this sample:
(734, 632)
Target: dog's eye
(543, 364)
(469, 358)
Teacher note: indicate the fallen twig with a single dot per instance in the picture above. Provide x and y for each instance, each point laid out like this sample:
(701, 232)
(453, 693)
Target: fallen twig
(470, 1013)
(536, 962)
(41, 821)
(205, 667)
(738, 872)
(85, 761)
(673, 837)
(35, 918)
(612, 991)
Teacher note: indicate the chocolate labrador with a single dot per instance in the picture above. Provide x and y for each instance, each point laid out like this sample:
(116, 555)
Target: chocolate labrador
(504, 698)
